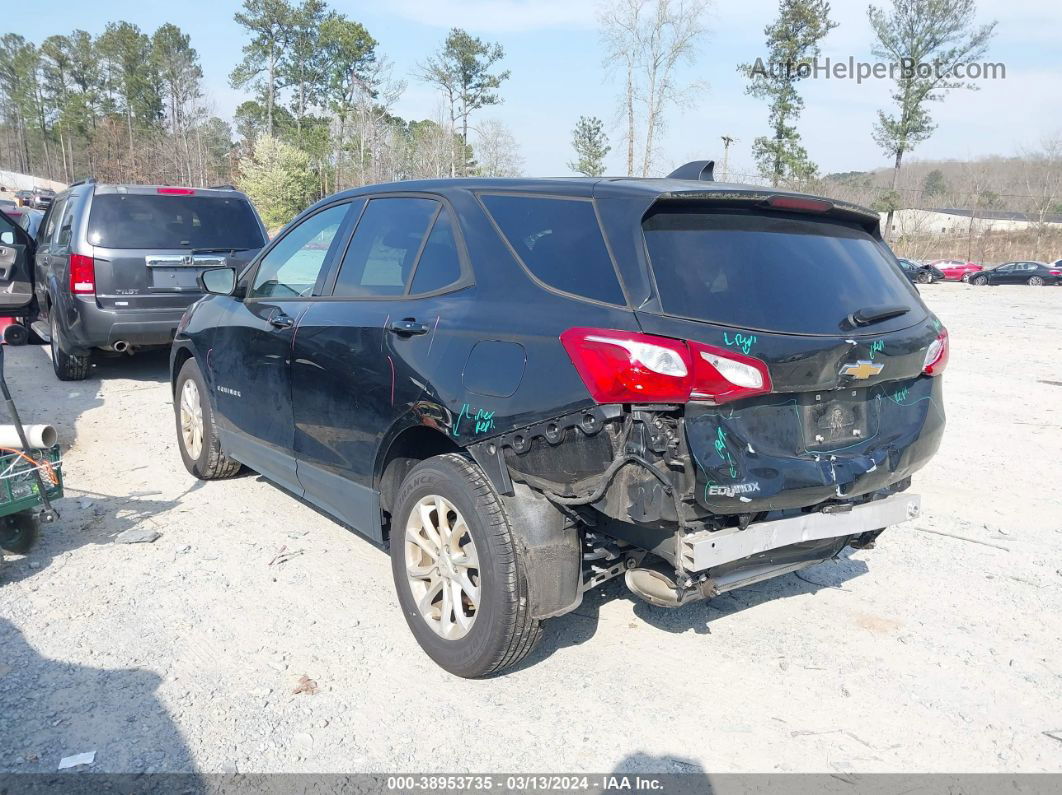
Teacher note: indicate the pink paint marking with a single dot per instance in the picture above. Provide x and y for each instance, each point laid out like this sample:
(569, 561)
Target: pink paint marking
(391, 362)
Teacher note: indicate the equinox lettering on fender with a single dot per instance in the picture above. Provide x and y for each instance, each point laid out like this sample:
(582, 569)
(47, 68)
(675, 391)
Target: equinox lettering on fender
(734, 490)
(230, 391)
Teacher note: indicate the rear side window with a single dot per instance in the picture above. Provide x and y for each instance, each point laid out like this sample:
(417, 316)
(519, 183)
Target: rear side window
(771, 272)
(161, 221)
(560, 242)
(381, 255)
(439, 265)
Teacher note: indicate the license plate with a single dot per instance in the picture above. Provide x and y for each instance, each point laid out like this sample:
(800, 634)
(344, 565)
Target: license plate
(174, 278)
(832, 418)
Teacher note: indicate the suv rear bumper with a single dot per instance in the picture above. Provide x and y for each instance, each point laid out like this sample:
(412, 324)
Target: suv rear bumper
(93, 327)
(707, 549)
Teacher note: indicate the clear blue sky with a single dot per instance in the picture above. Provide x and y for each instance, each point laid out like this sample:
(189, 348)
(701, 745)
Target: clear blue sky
(553, 51)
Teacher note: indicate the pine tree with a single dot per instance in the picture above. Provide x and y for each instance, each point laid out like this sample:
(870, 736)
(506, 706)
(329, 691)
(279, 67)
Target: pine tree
(591, 145)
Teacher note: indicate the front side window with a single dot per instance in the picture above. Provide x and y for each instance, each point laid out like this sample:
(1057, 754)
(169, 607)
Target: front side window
(290, 269)
(383, 251)
(560, 242)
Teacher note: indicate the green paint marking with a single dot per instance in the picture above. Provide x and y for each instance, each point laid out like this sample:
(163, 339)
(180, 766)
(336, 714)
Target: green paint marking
(482, 420)
(876, 346)
(742, 342)
(724, 453)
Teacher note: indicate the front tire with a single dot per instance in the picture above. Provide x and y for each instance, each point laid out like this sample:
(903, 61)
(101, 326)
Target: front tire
(459, 578)
(67, 366)
(925, 278)
(197, 436)
(980, 281)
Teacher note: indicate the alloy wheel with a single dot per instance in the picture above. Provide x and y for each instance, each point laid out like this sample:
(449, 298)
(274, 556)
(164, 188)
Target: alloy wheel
(442, 567)
(1036, 281)
(191, 419)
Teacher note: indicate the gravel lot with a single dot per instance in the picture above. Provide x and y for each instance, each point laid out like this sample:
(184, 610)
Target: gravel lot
(930, 653)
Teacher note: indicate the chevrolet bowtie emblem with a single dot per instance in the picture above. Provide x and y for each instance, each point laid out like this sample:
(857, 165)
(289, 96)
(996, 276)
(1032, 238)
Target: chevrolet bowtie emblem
(862, 369)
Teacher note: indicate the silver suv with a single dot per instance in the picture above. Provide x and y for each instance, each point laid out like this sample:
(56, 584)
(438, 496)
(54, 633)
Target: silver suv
(117, 265)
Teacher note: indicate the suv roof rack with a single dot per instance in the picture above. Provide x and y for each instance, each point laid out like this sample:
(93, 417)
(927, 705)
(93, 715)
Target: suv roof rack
(701, 170)
(85, 181)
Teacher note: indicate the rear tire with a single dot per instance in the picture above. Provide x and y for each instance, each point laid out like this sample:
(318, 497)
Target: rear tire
(18, 532)
(495, 628)
(1036, 281)
(925, 278)
(966, 277)
(67, 366)
(197, 437)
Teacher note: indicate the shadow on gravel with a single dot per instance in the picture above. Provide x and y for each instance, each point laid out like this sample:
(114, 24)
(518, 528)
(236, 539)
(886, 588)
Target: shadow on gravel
(50, 709)
(43, 398)
(581, 625)
(89, 517)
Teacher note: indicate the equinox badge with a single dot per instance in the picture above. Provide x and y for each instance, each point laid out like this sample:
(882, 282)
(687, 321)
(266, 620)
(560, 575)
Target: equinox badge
(862, 369)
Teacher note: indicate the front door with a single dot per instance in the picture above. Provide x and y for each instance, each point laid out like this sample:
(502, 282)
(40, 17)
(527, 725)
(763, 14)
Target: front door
(250, 355)
(360, 354)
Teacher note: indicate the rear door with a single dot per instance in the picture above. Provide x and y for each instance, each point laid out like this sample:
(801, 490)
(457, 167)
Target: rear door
(150, 244)
(822, 305)
(16, 268)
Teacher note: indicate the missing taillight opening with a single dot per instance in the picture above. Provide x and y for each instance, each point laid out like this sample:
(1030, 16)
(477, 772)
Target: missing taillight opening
(629, 367)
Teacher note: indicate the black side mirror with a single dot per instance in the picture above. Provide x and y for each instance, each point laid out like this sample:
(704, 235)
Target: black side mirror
(218, 281)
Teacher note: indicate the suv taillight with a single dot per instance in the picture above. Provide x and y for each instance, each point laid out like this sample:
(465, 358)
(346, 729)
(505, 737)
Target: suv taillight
(937, 355)
(82, 274)
(628, 367)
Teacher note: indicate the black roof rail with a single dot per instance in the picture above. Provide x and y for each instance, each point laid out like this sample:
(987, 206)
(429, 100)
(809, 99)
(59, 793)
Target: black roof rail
(85, 181)
(226, 186)
(701, 170)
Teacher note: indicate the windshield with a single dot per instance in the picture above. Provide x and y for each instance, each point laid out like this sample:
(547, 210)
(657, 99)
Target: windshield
(774, 273)
(120, 220)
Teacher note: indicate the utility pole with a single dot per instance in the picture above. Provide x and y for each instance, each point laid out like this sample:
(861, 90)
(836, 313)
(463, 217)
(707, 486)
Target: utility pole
(727, 140)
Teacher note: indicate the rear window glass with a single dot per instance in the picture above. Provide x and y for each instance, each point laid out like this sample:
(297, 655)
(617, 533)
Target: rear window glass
(560, 242)
(770, 272)
(130, 220)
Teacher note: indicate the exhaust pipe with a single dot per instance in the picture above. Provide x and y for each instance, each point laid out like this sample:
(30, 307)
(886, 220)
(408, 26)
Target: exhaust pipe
(660, 590)
(121, 346)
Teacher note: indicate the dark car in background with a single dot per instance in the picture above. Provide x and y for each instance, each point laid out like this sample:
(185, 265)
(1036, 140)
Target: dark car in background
(30, 220)
(530, 387)
(116, 265)
(1035, 274)
(41, 198)
(918, 273)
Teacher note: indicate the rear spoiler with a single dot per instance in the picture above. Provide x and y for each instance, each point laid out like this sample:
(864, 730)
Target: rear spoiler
(766, 199)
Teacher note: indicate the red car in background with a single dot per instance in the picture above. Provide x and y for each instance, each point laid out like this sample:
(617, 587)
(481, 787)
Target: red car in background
(956, 270)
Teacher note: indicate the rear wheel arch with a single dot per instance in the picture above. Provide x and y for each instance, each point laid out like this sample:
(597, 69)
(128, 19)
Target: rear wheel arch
(405, 450)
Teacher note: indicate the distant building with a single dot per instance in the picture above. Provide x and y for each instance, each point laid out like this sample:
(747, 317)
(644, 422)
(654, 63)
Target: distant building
(964, 222)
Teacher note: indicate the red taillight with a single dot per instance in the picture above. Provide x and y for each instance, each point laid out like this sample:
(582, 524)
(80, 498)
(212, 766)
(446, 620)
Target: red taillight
(721, 375)
(627, 367)
(82, 274)
(1056, 273)
(177, 191)
(937, 355)
(800, 205)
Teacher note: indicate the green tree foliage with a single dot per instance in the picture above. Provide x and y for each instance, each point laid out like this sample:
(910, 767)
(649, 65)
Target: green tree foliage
(462, 70)
(277, 177)
(792, 43)
(591, 145)
(269, 23)
(934, 184)
(939, 34)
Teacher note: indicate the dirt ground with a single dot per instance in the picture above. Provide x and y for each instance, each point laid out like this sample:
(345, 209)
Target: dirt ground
(941, 650)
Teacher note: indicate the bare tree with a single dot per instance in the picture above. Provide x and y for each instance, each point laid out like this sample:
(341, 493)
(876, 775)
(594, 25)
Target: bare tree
(497, 153)
(648, 39)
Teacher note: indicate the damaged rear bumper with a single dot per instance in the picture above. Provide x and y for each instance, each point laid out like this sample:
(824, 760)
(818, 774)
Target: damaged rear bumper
(706, 549)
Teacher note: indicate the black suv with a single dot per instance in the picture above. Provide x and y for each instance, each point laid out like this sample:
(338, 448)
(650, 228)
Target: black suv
(117, 265)
(529, 387)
